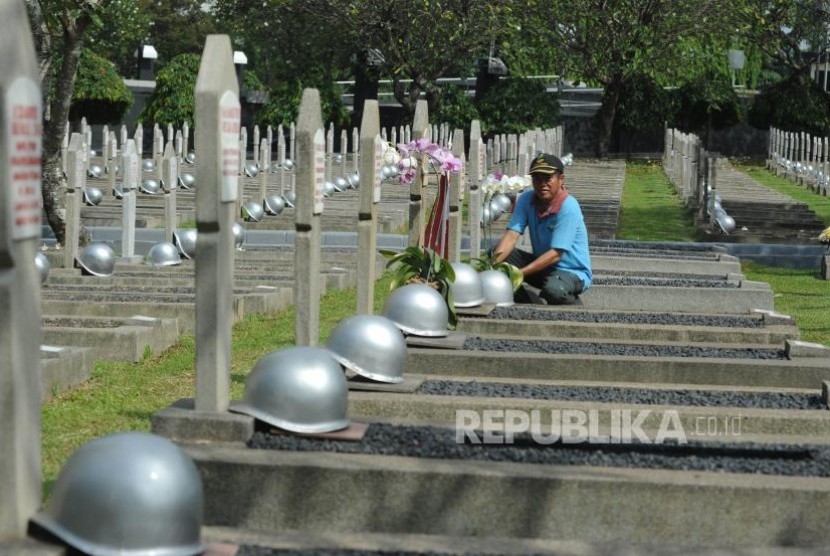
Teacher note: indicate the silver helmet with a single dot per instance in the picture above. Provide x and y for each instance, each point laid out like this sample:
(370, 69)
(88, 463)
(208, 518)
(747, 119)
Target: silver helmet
(252, 212)
(486, 216)
(495, 210)
(497, 287)
(300, 389)
(340, 184)
(185, 241)
(150, 187)
(251, 170)
(275, 167)
(239, 235)
(94, 171)
(290, 198)
(187, 181)
(97, 259)
(43, 266)
(148, 165)
(328, 189)
(118, 190)
(466, 290)
(273, 204)
(288, 164)
(190, 158)
(337, 158)
(129, 493)
(92, 196)
(354, 180)
(163, 254)
(370, 345)
(502, 201)
(418, 309)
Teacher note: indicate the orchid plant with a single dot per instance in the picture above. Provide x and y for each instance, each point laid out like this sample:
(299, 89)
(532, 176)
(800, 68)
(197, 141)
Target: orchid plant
(407, 156)
(824, 238)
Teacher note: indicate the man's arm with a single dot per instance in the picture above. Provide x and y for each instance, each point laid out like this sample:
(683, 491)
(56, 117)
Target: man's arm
(542, 262)
(506, 245)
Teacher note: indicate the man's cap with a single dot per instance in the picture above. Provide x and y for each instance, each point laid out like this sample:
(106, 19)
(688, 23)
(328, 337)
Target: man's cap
(546, 164)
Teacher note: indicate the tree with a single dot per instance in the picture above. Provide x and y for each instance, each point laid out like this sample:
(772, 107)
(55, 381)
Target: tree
(420, 41)
(172, 100)
(100, 93)
(515, 105)
(59, 28)
(128, 26)
(177, 27)
(289, 49)
(608, 43)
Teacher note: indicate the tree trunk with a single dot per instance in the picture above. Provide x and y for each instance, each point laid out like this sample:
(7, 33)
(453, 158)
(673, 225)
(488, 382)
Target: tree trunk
(607, 115)
(54, 182)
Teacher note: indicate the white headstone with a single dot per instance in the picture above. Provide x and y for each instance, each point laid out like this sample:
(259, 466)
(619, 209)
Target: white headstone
(310, 170)
(217, 126)
(20, 313)
(371, 158)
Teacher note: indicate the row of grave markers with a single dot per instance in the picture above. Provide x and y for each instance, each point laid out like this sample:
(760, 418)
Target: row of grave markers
(800, 157)
(217, 141)
(692, 170)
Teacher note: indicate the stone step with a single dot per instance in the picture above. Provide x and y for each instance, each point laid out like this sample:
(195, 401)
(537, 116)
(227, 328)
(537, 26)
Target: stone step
(63, 367)
(801, 372)
(119, 340)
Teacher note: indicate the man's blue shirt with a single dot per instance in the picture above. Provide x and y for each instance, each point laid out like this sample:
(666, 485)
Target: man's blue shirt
(565, 232)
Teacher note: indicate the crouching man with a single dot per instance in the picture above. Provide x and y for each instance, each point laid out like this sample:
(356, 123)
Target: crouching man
(560, 265)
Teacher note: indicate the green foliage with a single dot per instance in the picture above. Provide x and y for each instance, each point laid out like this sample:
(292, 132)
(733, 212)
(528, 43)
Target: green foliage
(422, 265)
(100, 94)
(516, 105)
(796, 104)
(172, 100)
(454, 107)
(127, 25)
(644, 105)
(708, 100)
(513, 272)
(284, 98)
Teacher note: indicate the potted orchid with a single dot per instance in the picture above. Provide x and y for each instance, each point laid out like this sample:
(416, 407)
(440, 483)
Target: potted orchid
(824, 239)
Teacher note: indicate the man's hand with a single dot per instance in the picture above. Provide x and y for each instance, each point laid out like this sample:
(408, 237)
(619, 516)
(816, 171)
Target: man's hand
(506, 245)
(542, 262)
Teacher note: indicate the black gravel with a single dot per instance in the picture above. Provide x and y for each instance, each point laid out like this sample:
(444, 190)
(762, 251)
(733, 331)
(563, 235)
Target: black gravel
(435, 442)
(653, 246)
(523, 312)
(476, 343)
(674, 275)
(643, 396)
(653, 254)
(662, 282)
(249, 550)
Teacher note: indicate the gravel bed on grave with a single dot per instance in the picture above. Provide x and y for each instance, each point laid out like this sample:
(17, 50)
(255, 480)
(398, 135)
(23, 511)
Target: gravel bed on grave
(251, 550)
(522, 312)
(137, 290)
(616, 394)
(80, 322)
(653, 255)
(435, 442)
(673, 275)
(476, 343)
(92, 297)
(661, 282)
(657, 246)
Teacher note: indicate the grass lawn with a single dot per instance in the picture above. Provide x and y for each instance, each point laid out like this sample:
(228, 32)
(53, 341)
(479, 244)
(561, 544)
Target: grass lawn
(799, 293)
(818, 204)
(651, 210)
(123, 396)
